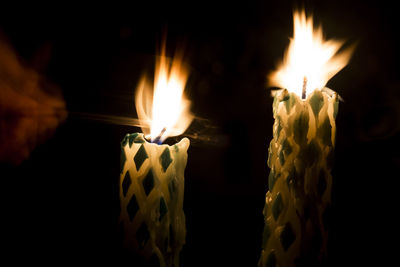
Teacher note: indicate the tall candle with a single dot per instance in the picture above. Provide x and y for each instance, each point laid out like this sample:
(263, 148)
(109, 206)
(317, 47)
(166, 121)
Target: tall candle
(151, 194)
(152, 173)
(301, 151)
(299, 182)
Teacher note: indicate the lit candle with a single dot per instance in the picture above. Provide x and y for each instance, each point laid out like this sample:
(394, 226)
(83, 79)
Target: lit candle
(300, 153)
(152, 174)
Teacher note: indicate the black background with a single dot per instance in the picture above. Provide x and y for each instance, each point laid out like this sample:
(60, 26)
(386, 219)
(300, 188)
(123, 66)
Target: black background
(61, 204)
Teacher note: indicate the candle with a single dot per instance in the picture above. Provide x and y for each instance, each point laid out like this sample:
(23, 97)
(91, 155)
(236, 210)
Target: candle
(301, 151)
(151, 194)
(152, 174)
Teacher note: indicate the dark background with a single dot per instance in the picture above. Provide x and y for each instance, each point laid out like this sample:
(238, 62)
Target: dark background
(61, 204)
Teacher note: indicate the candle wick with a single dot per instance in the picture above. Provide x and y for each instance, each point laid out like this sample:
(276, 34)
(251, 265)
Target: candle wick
(303, 95)
(158, 138)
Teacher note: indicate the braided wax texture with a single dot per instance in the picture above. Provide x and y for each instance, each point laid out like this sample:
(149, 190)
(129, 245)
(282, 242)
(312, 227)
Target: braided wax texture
(151, 196)
(297, 204)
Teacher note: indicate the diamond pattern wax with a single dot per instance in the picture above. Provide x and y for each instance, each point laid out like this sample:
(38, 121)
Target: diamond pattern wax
(300, 181)
(151, 198)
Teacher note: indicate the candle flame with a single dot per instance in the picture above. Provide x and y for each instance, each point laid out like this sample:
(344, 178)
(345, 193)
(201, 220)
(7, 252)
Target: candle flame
(164, 111)
(310, 61)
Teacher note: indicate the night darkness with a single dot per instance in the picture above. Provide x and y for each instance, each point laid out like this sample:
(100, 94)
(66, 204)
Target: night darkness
(61, 204)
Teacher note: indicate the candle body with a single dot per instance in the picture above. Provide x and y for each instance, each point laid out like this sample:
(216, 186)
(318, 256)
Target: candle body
(151, 198)
(300, 182)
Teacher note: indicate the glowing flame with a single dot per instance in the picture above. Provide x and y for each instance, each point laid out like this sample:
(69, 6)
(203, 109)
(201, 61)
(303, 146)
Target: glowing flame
(310, 61)
(164, 111)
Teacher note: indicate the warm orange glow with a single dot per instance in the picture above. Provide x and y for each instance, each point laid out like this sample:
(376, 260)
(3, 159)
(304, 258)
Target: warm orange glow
(310, 61)
(164, 111)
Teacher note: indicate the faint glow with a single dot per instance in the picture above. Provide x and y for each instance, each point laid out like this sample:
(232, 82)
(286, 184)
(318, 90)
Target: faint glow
(164, 111)
(310, 61)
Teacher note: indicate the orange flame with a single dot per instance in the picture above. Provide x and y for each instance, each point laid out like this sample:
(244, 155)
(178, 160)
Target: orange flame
(310, 61)
(164, 111)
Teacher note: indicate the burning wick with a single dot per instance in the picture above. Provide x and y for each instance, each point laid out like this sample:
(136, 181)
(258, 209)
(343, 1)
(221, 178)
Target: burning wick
(163, 106)
(309, 60)
(157, 140)
(303, 95)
